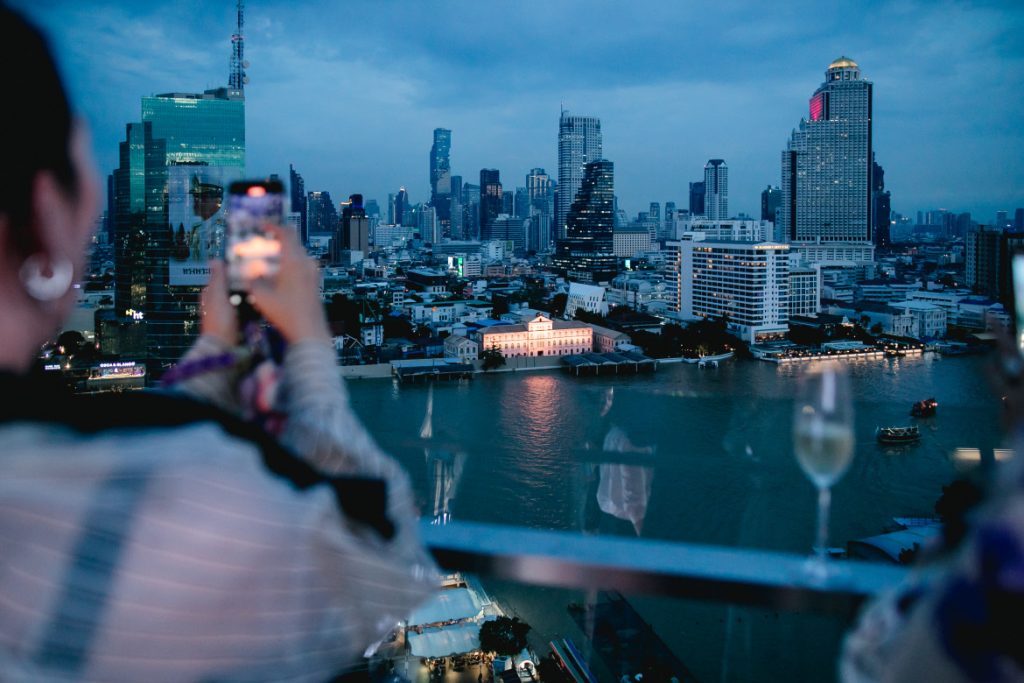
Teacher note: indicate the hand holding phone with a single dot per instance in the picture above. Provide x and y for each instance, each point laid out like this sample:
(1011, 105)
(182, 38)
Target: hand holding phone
(253, 249)
(291, 300)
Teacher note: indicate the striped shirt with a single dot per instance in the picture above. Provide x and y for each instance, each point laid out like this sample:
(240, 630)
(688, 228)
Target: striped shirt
(159, 554)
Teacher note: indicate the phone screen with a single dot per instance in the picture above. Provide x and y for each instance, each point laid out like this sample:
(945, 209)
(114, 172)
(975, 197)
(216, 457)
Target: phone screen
(250, 250)
(1018, 299)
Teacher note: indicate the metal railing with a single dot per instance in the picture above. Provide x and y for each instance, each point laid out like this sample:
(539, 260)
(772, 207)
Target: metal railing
(668, 568)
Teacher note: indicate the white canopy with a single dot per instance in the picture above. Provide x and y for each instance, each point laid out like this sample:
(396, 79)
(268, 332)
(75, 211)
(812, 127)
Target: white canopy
(448, 605)
(446, 641)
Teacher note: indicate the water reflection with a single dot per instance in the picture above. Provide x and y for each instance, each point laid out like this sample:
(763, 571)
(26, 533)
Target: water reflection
(618, 493)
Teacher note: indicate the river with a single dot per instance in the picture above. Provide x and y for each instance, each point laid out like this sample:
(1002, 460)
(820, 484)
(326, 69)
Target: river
(721, 471)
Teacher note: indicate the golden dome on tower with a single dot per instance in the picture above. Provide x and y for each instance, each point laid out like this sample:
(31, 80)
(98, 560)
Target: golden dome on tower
(843, 63)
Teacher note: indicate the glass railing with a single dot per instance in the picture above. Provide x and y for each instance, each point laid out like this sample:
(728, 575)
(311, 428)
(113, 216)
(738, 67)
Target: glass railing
(593, 505)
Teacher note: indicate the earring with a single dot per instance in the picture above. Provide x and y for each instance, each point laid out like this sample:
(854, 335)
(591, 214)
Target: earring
(46, 287)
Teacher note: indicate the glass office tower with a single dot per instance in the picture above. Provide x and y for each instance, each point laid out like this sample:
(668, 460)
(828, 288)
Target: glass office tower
(200, 136)
(587, 253)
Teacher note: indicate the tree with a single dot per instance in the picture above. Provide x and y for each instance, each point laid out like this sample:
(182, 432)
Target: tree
(493, 358)
(558, 304)
(504, 636)
(876, 328)
(69, 342)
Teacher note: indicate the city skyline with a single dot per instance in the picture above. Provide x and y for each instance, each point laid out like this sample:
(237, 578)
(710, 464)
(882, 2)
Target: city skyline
(665, 109)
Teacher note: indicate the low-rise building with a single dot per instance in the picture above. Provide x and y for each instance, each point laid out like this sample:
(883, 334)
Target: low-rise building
(929, 319)
(446, 312)
(590, 298)
(607, 341)
(541, 336)
(461, 348)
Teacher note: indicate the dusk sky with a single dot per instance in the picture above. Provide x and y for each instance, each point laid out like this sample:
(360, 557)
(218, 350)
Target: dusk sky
(350, 92)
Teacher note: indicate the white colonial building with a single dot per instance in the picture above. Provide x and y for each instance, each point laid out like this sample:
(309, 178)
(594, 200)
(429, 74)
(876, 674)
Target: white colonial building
(461, 348)
(541, 336)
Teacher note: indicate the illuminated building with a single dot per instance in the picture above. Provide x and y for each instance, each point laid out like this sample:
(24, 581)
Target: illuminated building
(441, 178)
(579, 143)
(716, 190)
(587, 253)
(490, 201)
(539, 337)
(747, 283)
(826, 167)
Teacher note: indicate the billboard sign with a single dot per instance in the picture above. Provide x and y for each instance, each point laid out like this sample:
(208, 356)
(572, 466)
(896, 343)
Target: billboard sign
(196, 205)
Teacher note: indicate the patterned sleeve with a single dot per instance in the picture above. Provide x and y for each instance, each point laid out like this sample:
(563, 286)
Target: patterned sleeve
(322, 428)
(215, 386)
(960, 622)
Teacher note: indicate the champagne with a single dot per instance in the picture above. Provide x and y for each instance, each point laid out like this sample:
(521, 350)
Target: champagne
(824, 450)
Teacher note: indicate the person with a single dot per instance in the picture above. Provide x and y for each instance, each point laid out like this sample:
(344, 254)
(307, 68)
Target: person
(957, 618)
(160, 536)
(207, 233)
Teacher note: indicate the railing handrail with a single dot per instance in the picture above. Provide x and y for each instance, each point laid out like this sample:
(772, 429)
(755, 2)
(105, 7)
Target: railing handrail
(669, 568)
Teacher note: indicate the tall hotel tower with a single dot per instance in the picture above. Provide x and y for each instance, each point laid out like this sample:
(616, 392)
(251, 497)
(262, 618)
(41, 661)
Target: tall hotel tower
(579, 143)
(716, 190)
(826, 168)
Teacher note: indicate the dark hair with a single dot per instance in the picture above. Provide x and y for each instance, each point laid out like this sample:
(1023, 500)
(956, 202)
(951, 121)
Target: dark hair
(36, 125)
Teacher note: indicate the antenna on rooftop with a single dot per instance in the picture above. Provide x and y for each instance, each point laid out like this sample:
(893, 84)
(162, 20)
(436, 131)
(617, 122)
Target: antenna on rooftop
(238, 79)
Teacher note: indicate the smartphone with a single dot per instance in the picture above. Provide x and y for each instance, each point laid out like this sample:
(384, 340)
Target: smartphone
(1017, 269)
(250, 250)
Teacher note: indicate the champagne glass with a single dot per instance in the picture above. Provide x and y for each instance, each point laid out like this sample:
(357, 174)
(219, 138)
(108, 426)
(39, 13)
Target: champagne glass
(823, 440)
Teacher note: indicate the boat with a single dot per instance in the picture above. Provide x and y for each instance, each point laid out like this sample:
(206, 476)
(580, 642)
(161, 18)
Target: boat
(898, 435)
(716, 358)
(925, 408)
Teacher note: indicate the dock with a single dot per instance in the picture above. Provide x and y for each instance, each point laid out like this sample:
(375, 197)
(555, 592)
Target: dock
(608, 363)
(430, 370)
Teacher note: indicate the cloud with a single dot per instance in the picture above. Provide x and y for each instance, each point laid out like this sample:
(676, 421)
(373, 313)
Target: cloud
(350, 93)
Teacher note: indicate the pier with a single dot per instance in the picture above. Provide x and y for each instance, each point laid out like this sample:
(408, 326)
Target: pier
(609, 363)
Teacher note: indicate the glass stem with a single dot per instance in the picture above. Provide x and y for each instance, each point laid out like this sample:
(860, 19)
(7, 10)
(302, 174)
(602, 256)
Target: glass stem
(821, 537)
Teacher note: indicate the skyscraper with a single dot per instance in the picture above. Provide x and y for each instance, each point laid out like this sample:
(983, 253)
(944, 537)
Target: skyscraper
(491, 200)
(139, 223)
(457, 225)
(182, 156)
(297, 194)
(441, 178)
(881, 209)
(667, 230)
(541, 190)
(697, 199)
(826, 167)
(402, 214)
(521, 205)
(579, 142)
(654, 220)
(771, 200)
(587, 252)
(716, 190)
(321, 215)
(471, 211)
(355, 226)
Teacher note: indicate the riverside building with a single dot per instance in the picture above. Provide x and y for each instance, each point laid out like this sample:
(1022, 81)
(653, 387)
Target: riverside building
(541, 336)
(747, 283)
(826, 167)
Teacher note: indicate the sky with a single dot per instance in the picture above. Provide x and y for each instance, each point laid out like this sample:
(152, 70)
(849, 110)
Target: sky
(350, 92)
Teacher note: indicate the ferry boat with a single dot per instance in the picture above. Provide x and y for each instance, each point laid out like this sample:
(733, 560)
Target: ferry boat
(925, 408)
(898, 435)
